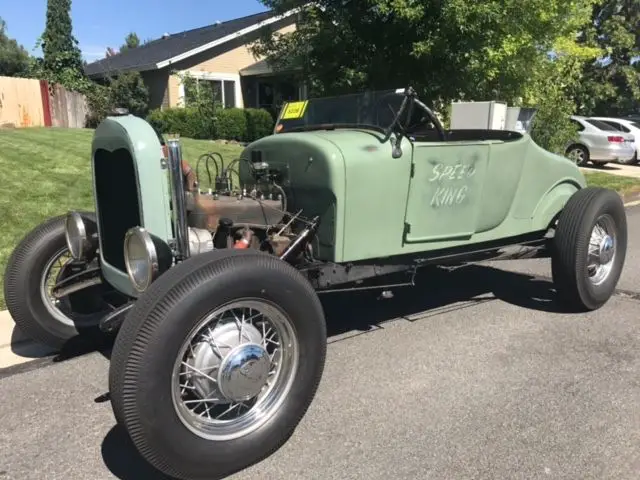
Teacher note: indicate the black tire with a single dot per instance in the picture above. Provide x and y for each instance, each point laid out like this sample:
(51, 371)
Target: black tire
(22, 278)
(569, 259)
(149, 341)
(582, 151)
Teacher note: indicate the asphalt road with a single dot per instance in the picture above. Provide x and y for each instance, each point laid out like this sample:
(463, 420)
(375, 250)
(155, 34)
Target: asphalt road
(474, 374)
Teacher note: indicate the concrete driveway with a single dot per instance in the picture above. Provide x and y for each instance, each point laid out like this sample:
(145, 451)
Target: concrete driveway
(473, 374)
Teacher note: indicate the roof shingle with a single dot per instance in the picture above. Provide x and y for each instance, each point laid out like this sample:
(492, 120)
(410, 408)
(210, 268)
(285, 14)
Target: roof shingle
(145, 57)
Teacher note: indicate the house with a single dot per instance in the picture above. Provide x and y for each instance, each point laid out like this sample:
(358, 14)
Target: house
(218, 54)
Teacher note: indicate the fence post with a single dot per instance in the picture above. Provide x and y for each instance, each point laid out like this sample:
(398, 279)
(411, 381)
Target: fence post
(46, 104)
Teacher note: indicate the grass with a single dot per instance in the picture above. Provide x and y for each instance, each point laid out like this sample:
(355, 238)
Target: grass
(622, 185)
(47, 171)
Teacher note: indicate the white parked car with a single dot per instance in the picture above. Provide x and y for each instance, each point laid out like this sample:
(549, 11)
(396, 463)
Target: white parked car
(626, 125)
(599, 143)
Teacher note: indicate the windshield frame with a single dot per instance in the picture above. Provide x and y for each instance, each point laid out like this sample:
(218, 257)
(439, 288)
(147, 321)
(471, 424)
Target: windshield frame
(408, 105)
(303, 105)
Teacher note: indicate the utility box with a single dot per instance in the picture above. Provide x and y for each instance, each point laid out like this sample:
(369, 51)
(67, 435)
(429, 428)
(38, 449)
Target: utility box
(520, 119)
(478, 115)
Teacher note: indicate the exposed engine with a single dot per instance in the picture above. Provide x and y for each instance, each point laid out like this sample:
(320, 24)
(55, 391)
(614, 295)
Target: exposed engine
(222, 215)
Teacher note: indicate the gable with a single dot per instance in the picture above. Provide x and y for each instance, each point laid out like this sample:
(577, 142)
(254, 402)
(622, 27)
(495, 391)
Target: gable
(178, 47)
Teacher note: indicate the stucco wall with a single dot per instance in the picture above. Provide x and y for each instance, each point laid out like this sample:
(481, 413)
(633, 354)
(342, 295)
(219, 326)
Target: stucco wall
(226, 60)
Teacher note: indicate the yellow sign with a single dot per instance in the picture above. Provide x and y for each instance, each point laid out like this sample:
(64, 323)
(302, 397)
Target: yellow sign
(294, 110)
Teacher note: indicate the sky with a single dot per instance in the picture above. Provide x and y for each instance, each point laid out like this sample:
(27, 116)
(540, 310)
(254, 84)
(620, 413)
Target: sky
(98, 24)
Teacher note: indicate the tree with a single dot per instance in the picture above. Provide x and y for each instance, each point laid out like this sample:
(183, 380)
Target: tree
(62, 60)
(131, 41)
(446, 50)
(453, 50)
(14, 59)
(59, 46)
(128, 91)
(612, 82)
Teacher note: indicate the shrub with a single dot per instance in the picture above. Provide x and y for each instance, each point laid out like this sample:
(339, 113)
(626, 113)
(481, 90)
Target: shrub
(259, 123)
(187, 122)
(128, 91)
(125, 91)
(238, 124)
(231, 124)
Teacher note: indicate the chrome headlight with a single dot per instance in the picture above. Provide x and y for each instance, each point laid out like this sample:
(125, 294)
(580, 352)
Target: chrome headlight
(80, 234)
(145, 256)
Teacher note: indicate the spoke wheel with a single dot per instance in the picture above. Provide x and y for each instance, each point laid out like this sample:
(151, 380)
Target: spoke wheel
(38, 262)
(578, 155)
(217, 363)
(235, 369)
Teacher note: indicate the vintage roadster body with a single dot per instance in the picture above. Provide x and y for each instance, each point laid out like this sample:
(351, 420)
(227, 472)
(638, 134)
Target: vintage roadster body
(211, 281)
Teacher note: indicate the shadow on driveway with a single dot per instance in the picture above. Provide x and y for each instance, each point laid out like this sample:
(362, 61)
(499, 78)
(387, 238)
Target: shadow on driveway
(436, 291)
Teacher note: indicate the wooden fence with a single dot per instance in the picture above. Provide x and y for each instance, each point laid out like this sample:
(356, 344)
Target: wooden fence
(26, 102)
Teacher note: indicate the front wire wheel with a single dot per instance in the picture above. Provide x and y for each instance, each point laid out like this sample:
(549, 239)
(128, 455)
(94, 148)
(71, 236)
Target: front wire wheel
(217, 363)
(234, 370)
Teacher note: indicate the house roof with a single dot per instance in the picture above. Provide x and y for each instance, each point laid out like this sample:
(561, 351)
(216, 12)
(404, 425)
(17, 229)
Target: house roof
(178, 46)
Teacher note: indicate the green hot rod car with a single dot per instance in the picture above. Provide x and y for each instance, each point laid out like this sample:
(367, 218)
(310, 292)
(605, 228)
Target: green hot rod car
(211, 280)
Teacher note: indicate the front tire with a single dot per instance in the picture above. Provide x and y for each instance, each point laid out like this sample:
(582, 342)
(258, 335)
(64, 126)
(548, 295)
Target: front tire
(31, 271)
(174, 369)
(589, 248)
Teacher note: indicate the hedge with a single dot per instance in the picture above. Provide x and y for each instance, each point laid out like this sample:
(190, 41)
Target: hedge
(243, 125)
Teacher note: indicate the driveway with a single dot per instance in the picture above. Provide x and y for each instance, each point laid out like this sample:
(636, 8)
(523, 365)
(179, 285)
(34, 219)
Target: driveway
(473, 374)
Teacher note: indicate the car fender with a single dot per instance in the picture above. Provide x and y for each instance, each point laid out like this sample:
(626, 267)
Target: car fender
(552, 202)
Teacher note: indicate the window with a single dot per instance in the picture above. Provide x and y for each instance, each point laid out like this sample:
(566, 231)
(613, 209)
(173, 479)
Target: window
(601, 125)
(220, 91)
(578, 125)
(617, 126)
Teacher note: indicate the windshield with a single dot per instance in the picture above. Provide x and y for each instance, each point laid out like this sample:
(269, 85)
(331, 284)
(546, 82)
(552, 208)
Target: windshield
(602, 126)
(376, 110)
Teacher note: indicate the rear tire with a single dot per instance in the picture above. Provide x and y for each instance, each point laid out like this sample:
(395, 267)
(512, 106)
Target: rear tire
(589, 248)
(153, 345)
(35, 314)
(578, 154)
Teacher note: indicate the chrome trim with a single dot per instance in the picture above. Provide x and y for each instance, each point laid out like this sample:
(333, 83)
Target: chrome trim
(178, 199)
(86, 241)
(152, 257)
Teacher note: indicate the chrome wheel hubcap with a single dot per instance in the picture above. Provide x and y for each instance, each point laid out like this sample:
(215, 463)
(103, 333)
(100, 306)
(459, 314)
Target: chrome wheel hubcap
(235, 369)
(576, 155)
(602, 250)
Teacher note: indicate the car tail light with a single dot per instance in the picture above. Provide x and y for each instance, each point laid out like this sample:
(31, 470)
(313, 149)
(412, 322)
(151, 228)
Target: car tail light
(615, 139)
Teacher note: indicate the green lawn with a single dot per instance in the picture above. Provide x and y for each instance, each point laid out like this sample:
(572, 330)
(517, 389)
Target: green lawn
(622, 185)
(46, 172)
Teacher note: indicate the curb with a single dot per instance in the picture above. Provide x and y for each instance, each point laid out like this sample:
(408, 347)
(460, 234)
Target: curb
(15, 347)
